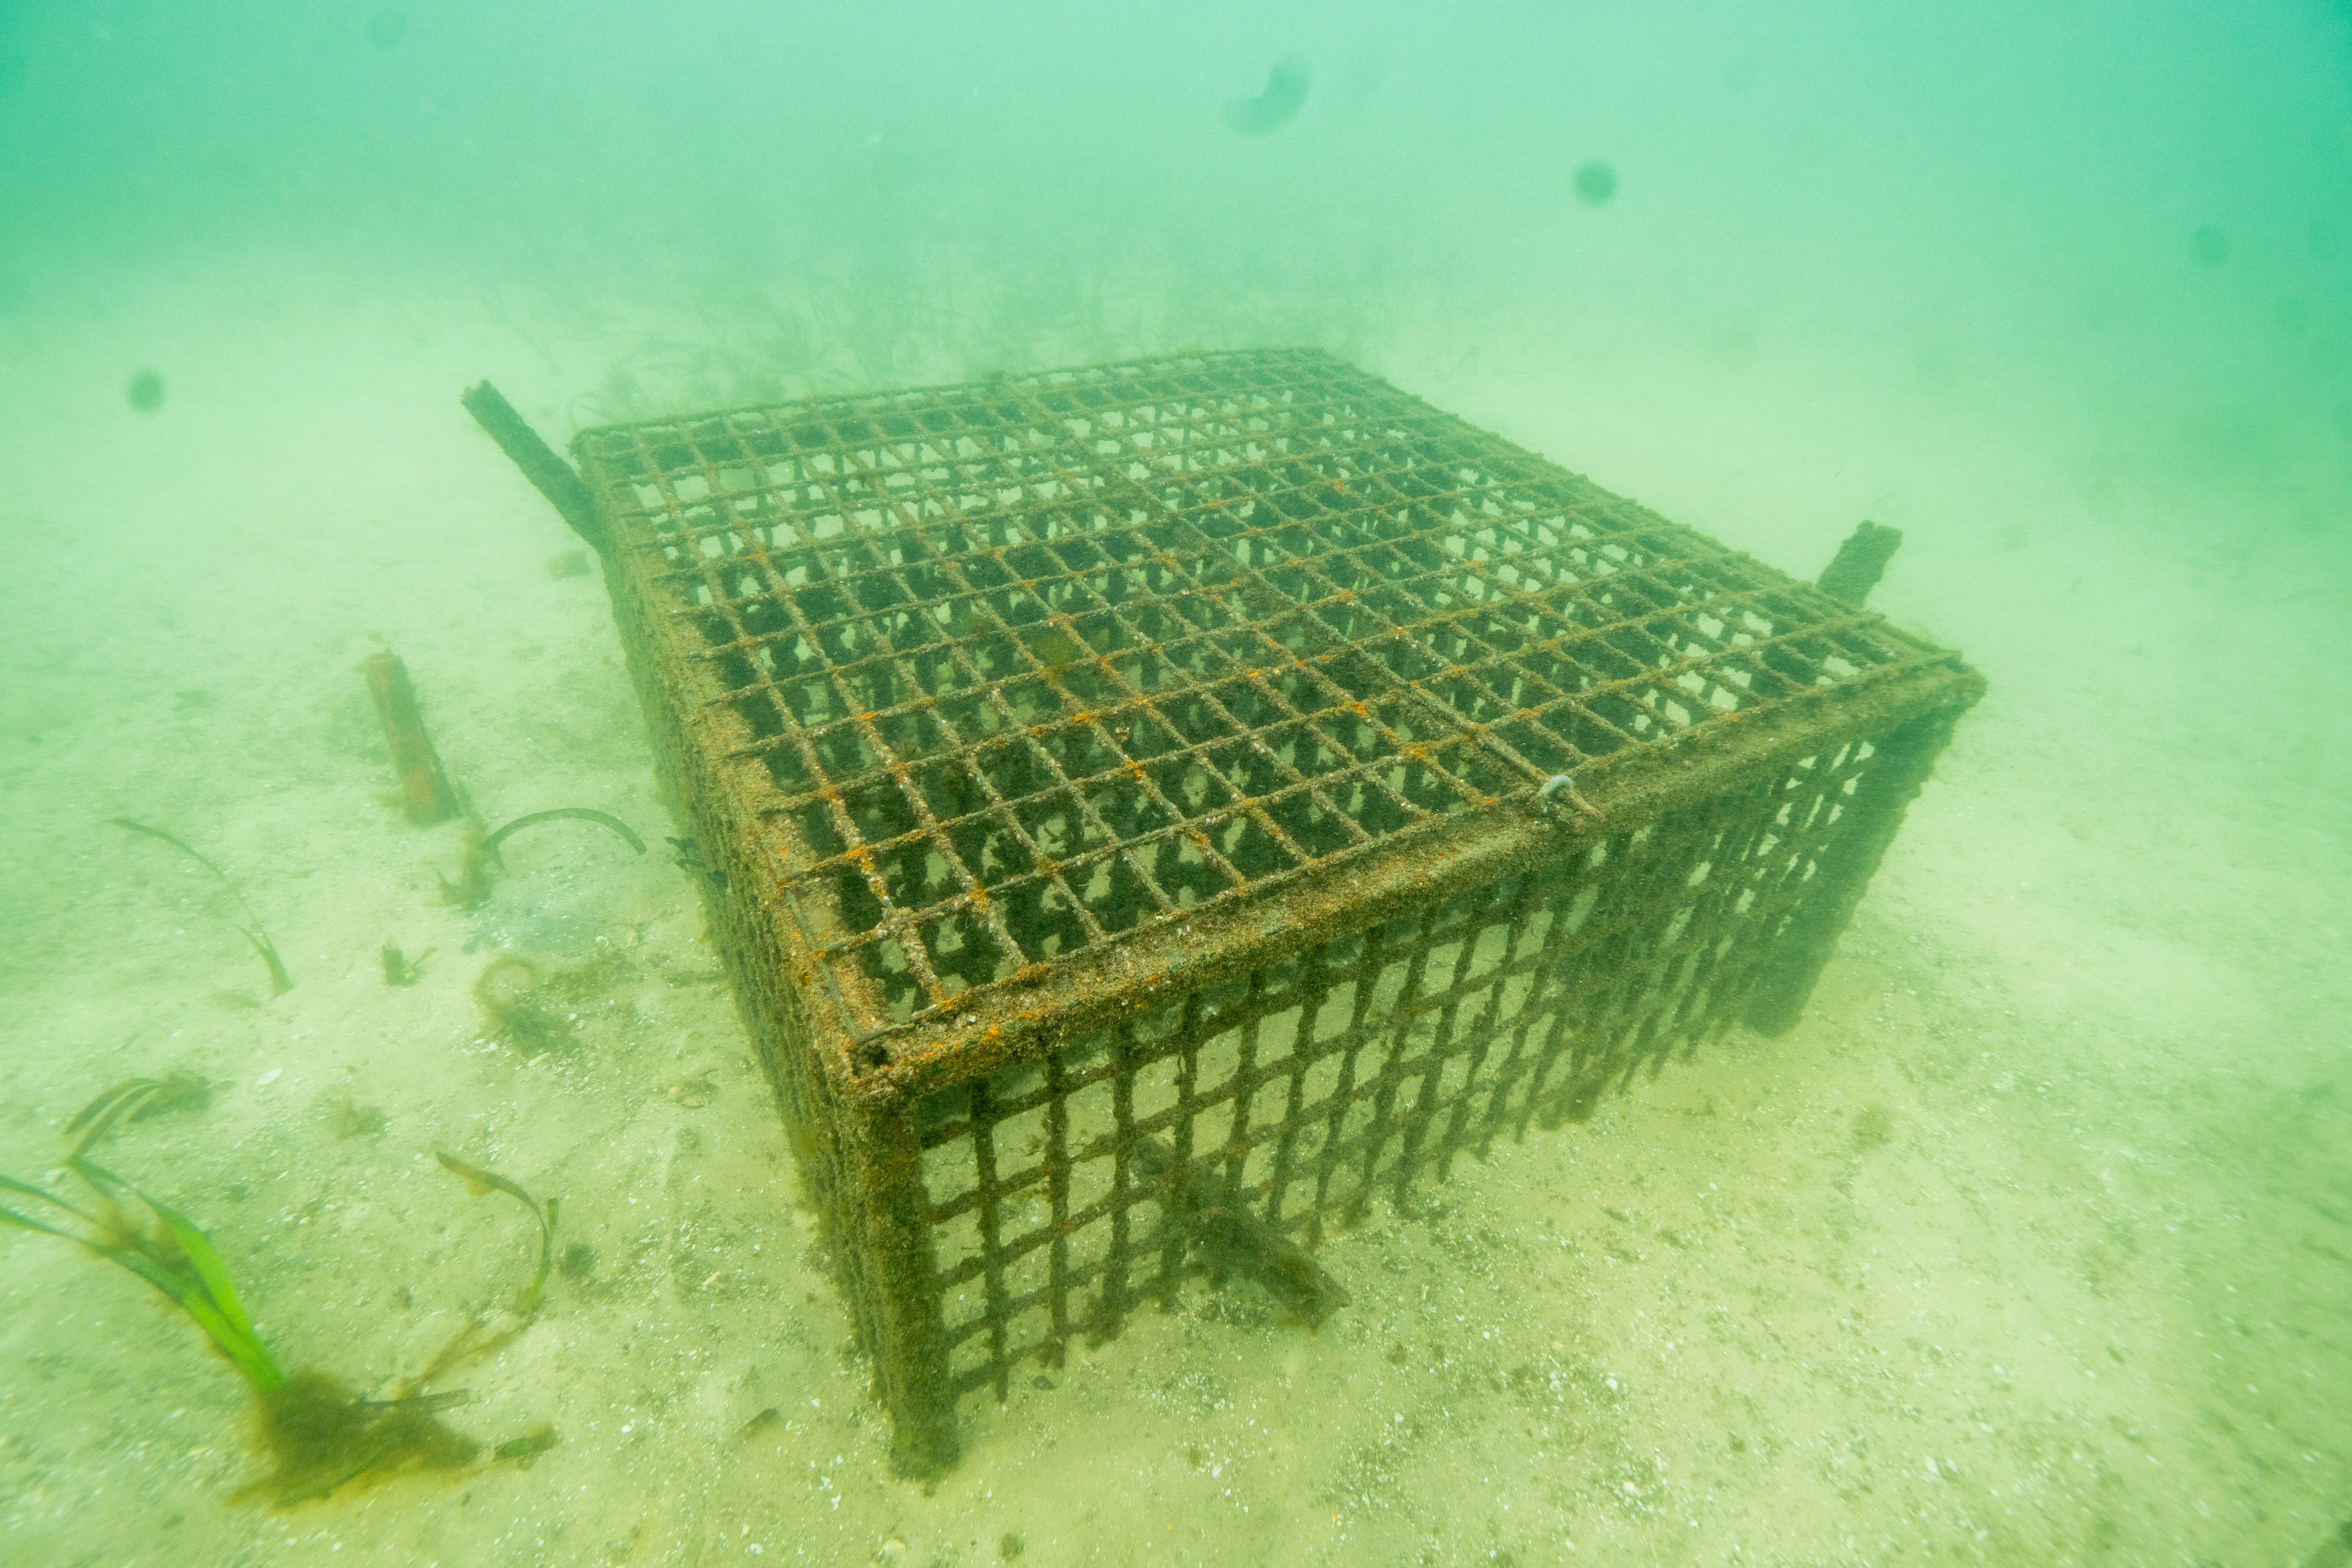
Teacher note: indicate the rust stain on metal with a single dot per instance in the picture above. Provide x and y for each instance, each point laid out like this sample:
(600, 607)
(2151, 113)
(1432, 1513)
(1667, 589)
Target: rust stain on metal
(1099, 754)
(425, 791)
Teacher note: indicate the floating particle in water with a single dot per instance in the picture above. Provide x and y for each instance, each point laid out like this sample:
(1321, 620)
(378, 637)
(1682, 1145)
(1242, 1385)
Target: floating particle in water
(2209, 245)
(386, 28)
(145, 391)
(1596, 182)
(1286, 94)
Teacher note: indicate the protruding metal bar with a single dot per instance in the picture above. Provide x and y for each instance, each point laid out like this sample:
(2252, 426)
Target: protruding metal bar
(1860, 560)
(538, 461)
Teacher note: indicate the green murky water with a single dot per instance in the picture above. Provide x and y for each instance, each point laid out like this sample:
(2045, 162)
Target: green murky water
(2031, 1244)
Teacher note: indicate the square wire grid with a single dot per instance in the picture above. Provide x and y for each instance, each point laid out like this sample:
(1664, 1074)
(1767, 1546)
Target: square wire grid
(1036, 664)
(1364, 1064)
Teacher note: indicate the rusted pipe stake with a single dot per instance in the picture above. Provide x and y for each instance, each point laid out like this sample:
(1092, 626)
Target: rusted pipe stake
(538, 461)
(424, 790)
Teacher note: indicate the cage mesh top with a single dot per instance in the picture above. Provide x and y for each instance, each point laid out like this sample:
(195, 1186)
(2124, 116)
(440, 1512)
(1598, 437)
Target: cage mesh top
(1036, 662)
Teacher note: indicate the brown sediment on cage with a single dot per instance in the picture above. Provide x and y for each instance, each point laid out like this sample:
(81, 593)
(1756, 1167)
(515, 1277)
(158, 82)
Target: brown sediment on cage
(1093, 989)
(1153, 751)
(425, 791)
(1356, 1066)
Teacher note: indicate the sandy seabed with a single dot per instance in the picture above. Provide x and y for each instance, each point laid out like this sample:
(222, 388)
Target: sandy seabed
(2032, 1244)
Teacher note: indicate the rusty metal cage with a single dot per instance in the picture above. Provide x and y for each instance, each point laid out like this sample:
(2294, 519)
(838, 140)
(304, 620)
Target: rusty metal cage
(1222, 773)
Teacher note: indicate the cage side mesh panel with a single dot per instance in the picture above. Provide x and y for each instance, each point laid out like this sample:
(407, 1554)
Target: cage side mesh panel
(822, 1123)
(1363, 1064)
(1036, 664)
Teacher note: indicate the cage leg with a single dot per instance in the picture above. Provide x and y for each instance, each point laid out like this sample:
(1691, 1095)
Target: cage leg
(909, 1334)
(1900, 768)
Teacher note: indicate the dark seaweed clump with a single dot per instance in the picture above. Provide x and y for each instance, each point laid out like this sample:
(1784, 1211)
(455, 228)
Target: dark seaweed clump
(321, 1437)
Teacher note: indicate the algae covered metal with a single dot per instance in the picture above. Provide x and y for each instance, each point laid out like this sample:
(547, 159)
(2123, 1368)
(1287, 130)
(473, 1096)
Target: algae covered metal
(1214, 785)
